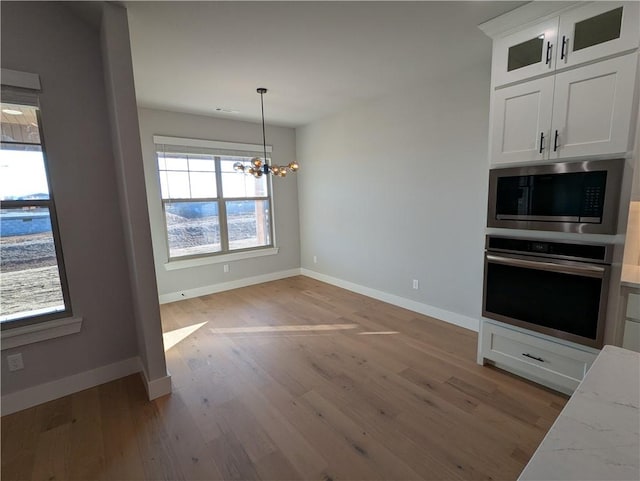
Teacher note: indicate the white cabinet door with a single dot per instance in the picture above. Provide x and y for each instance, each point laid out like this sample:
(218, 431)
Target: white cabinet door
(521, 121)
(631, 339)
(592, 109)
(527, 53)
(597, 30)
(633, 306)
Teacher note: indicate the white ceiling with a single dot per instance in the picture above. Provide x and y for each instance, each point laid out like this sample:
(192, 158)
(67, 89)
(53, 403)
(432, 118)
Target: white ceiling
(316, 58)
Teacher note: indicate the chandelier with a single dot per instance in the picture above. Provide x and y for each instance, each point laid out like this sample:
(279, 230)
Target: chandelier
(259, 167)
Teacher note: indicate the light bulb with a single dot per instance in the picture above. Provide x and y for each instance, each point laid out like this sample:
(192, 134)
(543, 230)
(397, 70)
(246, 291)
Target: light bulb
(238, 167)
(275, 170)
(257, 174)
(293, 166)
(282, 173)
(256, 162)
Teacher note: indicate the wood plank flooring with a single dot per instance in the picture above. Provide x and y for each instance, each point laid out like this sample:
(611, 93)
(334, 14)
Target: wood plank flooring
(293, 379)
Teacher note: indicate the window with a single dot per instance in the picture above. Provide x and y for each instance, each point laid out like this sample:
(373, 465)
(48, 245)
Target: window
(208, 207)
(33, 285)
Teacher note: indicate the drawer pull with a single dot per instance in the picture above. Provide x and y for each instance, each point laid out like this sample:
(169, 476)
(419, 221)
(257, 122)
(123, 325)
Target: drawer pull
(532, 357)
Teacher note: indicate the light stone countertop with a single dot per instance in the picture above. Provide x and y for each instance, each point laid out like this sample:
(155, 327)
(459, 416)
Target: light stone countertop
(597, 435)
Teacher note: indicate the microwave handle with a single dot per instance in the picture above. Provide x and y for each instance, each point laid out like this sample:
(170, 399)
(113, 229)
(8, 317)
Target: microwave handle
(586, 270)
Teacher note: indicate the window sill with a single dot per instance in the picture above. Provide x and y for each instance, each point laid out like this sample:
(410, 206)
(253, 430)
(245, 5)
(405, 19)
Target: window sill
(19, 336)
(234, 256)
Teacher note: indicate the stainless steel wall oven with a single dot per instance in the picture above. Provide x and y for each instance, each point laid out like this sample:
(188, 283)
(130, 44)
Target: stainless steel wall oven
(554, 287)
(566, 197)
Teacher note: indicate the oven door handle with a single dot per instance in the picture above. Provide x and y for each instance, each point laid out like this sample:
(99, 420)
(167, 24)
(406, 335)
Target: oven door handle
(586, 270)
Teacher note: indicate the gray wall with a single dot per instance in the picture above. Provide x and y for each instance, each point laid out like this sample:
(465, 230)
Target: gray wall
(47, 39)
(285, 192)
(395, 190)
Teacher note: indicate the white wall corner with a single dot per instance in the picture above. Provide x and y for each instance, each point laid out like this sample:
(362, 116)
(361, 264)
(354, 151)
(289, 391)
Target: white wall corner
(226, 286)
(26, 398)
(156, 387)
(425, 309)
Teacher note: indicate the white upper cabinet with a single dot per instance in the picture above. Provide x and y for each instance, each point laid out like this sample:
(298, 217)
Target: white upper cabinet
(564, 80)
(527, 53)
(597, 30)
(581, 112)
(579, 35)
(522, 121)
(592, 109)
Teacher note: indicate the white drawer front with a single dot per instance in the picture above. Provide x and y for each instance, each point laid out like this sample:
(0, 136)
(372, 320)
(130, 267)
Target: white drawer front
(633, 306)
(538, 357)
(556, 365)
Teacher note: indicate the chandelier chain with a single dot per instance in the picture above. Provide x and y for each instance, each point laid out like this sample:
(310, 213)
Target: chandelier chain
(264, 136)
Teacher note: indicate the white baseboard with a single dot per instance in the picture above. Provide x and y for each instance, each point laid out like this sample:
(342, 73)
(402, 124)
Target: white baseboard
(442, 314)
(157, 387)
(17, 401)
(226, 286)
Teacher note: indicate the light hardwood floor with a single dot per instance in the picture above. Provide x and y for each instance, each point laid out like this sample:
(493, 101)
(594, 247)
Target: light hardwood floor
(293, 379)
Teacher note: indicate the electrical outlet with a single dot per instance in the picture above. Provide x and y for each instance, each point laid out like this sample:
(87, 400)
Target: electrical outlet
(15, 362)
(416, 284)
(315, 259)
(225, 268)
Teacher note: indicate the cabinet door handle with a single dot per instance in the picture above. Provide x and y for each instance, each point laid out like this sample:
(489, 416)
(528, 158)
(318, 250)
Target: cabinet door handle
(541, 142)
(525, 354)
(565, 40)
(548, 53)
(555, 142)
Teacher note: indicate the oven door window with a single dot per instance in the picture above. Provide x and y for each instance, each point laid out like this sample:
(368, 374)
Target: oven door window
(560, 301)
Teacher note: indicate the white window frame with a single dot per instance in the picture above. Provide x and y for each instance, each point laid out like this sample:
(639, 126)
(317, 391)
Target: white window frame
(14, 334)
(29, 98)
(182, 262)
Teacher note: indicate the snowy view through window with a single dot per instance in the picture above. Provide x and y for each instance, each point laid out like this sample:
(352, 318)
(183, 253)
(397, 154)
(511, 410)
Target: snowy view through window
(30, 280)
(200, 220)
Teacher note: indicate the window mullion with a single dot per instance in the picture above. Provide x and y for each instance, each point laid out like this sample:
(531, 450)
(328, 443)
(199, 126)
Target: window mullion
(222, 208)
(18, 204)
(189, 177)
(166, 227)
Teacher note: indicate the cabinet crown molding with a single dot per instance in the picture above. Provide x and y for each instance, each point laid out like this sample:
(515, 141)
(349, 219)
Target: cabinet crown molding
(521, 16)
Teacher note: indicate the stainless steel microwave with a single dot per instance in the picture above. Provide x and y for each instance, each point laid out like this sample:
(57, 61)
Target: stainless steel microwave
(568, 197)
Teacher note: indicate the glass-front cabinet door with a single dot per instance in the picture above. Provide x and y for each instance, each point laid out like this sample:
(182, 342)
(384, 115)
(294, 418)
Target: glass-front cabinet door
(597, 30)
(527, 53)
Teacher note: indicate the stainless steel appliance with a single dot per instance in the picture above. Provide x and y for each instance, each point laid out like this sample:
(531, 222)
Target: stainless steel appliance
(553, 287)
(566, 197)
